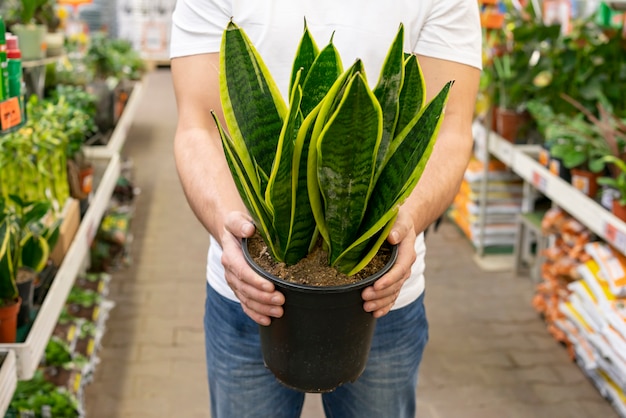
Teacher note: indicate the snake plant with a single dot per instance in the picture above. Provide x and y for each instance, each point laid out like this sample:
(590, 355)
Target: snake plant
(25, 241)
(334, 162)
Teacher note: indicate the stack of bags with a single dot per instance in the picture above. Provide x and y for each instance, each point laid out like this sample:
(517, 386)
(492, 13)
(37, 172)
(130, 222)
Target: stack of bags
(503, 200)
(565, 253)
(583, 299)
(595, 315)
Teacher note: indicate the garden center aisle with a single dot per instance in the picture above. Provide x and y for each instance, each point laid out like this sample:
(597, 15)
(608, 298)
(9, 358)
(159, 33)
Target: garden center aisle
(489, 354)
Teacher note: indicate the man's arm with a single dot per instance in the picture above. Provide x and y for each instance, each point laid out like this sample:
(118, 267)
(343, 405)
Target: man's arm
(200, 161)
(207, 182)
(443, 174)
(441, 178)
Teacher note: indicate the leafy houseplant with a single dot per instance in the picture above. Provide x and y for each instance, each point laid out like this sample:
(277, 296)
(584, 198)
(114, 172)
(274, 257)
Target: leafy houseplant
(339, 160)
(581, 142)
(26, 242)
(515, 68)
(30, 30)
(618, 182)
(331, 166)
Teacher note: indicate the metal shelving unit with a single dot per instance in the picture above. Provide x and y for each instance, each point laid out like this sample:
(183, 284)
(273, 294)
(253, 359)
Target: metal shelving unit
(29, 353)
(118, 138)
(8, 379)
(522, 159)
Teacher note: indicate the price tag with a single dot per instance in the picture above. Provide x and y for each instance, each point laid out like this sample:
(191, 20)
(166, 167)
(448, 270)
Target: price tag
(539, 181)
(506, 152)
(615, 237)
(154, 37)
(10, 113)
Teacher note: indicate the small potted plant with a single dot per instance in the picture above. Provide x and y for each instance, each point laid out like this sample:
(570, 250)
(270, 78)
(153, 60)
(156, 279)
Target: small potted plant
(515, 69)
(31, 32)
(617, 182)
(25, 250)
(323, 176)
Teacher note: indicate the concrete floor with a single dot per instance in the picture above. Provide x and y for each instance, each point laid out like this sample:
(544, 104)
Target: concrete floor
(489, 354)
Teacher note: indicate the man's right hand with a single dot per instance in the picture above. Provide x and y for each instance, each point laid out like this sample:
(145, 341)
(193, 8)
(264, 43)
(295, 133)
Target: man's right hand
(258, 296)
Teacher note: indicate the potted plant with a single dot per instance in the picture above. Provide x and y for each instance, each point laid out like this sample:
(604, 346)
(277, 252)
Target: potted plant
(30, 31)
(28, 242)
(579, 143)
(617, 182)
(327, 171)
(9, 297)
(40, 397)
(515, 69)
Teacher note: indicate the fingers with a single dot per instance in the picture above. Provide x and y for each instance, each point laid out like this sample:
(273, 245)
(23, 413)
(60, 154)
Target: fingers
(239, 225)
(380, 297)
(259, 299)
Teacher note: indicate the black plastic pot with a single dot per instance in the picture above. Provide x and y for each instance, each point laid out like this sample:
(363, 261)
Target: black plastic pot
(26, 290)
(324, 336)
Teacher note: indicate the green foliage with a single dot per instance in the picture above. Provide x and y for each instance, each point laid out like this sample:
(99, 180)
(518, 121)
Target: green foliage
(539, 63)
(75, 109)
(337, 160)
(33, 158)
(582, 140)
(116, 58)
(26, 238)
(32, 395)
(618, 181)
(84, 298)
(58, 352)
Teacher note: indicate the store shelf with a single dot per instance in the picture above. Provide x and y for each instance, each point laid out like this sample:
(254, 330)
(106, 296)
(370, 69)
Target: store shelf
(8, 379)
(522, 159)
(35, 73)
(118, 138)
(30, 351)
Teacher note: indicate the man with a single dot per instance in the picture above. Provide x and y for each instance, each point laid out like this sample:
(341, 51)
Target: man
(446, 37)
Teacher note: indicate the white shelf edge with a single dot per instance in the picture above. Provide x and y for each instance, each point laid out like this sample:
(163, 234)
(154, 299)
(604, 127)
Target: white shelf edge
(521, 159)
(118, 138)
(8, 381)
(30, 352)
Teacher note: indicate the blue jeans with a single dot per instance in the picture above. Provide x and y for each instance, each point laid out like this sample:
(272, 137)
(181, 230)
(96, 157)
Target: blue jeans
(241, 386)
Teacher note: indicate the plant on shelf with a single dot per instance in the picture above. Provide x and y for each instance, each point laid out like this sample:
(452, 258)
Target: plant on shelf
(113, 58)
(581, 142)
(515, 68)
(40, 397)
(28, 19)
(572, 140)
(113, 65)
(26, 244)
(34, 158)
(617, 182)
(586, 63)
(328, 169)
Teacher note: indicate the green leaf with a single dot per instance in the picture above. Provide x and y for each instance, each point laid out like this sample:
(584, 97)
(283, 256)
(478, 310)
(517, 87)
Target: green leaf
(305, 56)
(34, 212)
(248, 193)
(8, 290)
(324, 111)
(35, 252)
(413, 94)
(408, 161)
(365, 248)
(324, 71)
(387, 92)
(280, 193)
(253, 107)
(346, 152)
(572, 158)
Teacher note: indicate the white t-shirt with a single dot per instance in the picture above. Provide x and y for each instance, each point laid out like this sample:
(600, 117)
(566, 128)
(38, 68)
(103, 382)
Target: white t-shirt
(445, 29)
